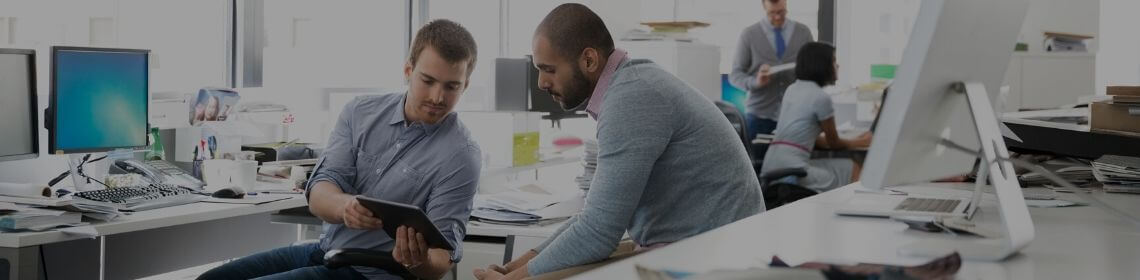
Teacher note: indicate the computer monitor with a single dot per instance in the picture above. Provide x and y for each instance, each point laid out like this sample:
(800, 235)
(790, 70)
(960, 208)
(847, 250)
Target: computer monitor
(99, 99)
(19, 135)
(951, 42)
(939, 118)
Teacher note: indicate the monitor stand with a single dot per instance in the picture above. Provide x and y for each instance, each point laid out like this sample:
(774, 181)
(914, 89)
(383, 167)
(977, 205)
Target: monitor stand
(78, 168)
(1017, 226)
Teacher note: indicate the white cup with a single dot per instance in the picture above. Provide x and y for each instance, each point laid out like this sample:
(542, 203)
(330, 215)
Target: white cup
(244, 174)
(216, 174)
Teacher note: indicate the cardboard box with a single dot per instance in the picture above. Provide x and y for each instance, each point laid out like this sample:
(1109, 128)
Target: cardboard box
(1123, 90)
(1115, 117)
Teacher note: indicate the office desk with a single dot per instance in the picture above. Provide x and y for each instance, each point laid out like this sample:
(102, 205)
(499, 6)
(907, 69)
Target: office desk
(149, 242)
(1070, 243)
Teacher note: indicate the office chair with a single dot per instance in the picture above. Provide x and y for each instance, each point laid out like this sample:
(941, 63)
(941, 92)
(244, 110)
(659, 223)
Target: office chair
(737, 120)
(781, 187)
(338, 258)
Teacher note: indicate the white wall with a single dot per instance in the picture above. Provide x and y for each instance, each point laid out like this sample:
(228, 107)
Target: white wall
(1118, 61)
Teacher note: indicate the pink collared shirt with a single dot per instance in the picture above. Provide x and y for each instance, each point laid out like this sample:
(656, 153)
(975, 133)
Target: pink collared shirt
(594, 108)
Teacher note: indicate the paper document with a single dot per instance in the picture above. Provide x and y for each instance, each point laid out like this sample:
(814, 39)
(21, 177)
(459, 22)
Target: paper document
(781, 68)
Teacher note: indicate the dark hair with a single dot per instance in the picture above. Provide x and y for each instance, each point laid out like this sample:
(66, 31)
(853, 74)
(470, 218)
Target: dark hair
(816, 63)
(449, 39)
(572, 27)
(772, 1)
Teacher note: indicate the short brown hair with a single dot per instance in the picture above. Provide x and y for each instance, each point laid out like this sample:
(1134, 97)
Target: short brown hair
(572, 28)
(449, 39)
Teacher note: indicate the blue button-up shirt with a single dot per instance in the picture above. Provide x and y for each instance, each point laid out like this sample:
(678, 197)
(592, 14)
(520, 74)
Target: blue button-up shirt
(373, 151)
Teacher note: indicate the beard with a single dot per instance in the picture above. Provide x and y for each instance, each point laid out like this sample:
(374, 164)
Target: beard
(576, 93)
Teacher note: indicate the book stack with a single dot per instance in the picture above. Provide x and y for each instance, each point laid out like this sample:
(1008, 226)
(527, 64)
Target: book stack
(1065, 42)
(590, 164)
(1118, 173)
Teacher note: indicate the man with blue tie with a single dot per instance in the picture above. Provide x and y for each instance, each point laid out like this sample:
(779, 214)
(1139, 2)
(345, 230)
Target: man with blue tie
(775, 40)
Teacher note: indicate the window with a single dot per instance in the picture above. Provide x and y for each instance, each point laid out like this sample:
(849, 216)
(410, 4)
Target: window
(871, 32)
(343, 43)
(187, 39)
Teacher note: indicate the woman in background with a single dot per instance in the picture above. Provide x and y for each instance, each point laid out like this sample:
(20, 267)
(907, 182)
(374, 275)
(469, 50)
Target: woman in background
(807, 121)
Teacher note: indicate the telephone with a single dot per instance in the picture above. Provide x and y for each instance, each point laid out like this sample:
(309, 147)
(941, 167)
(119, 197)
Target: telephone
(160, 171)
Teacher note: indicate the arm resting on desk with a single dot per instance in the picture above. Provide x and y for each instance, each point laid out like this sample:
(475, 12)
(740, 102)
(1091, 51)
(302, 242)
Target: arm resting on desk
(830, 139)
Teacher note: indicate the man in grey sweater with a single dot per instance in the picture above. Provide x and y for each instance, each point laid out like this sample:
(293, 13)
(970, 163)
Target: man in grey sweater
(773, 41)
(670, 165)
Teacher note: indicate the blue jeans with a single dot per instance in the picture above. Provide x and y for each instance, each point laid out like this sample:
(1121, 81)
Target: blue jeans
(293, 262)
(757, 125)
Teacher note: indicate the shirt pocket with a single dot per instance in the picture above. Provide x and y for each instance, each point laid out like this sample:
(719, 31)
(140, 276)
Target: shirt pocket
(402, 183)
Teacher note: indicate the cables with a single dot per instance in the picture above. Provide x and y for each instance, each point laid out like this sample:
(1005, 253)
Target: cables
(79, 171)
(1053, 178)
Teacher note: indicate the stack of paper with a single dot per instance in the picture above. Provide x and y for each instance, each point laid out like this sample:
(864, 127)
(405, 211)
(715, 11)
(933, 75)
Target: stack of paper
(590, 163)
(19, 218)
(523, 207)
(1118, 173)
(1074, 171)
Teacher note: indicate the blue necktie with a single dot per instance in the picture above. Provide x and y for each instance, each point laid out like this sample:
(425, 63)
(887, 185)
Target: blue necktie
(780, 45)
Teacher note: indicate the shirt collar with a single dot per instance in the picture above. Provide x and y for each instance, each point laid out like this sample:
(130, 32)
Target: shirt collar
(767, 24)
(397, 118)
(594, 108)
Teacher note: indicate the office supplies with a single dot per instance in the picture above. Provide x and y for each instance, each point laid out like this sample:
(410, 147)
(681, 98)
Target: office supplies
(395, 214)
(137, 198)
(18, 107)
(938, 120)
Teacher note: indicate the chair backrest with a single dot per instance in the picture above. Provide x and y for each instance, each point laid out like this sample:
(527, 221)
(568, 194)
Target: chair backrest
(737, 120)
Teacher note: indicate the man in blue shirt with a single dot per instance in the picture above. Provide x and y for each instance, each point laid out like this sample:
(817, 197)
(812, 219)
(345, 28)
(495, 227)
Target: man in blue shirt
(773, 41)
(408, 148)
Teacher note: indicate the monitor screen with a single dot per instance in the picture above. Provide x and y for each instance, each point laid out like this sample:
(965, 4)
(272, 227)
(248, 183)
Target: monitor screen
(99, 99)
(18, 109)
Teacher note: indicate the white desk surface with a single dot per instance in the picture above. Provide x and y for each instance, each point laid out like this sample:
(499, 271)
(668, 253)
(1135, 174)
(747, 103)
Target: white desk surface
(156, 218)
(1071, 243)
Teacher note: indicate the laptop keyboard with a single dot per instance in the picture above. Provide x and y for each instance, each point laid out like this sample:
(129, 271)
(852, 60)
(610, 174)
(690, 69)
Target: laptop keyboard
(928, 205)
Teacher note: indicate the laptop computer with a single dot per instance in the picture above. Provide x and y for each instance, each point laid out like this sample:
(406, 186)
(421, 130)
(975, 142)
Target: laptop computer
(885, 205)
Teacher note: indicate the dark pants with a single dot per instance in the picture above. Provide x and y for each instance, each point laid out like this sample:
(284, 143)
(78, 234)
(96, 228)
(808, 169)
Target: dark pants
(757, 125)
(294, 262)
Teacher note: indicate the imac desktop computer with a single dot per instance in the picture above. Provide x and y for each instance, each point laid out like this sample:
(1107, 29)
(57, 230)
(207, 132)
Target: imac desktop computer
(939, 121)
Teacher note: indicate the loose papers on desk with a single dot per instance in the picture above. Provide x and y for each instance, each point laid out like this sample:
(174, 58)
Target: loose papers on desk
(520, 207)
(1118, 173)
(1075, 171)
(20, 218)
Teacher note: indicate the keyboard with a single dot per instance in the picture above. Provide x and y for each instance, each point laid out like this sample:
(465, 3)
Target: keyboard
(139, 198)
(928, 205)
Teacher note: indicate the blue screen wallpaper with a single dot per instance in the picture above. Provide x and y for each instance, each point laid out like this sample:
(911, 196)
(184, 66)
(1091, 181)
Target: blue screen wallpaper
(731, 94)
(101, 100)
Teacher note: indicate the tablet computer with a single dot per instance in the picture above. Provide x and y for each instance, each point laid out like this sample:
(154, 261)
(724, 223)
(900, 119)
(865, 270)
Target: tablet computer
(393, 215)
